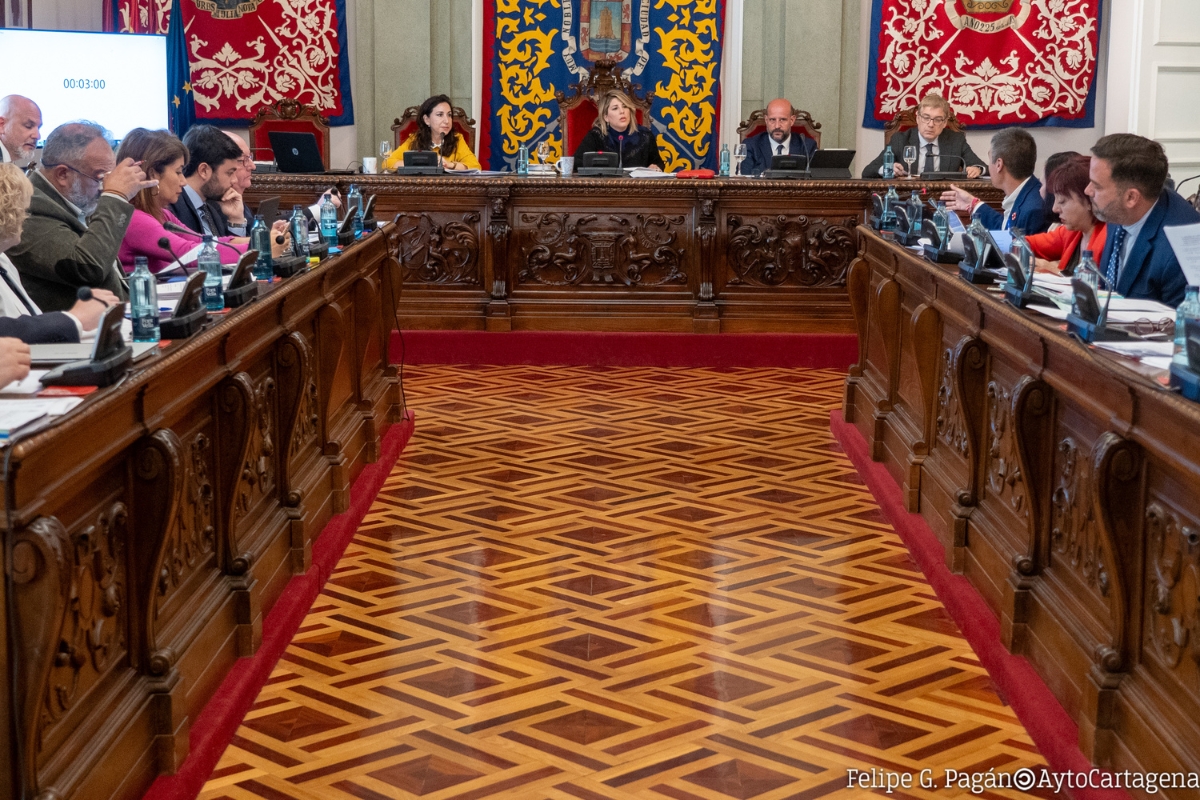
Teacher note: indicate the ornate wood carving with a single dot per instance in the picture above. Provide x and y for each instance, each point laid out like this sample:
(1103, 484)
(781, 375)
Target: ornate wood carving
(926, 337)
(858, 286)
(235, 423)
(790, 250)
(1173, 581)
(961, 405)
(567, 249)
(42, 588)
(438, 250)
(951, 430)
(1072, 518)
(1032, 420)
(1002, 468)
(297, 402)
(259, 468)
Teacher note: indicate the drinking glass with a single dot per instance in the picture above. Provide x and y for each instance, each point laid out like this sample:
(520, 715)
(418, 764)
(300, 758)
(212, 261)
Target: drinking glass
(543, 151)
(385, 149)
(739, 155)
(910, 156)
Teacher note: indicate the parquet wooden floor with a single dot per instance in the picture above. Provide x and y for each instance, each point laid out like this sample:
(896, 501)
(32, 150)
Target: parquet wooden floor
(613, 583)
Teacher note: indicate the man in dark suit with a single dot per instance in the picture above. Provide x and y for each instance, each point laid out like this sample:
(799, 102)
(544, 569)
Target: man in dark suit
(1012, 159)
(777, 140)
(938, 150)
(1128, 191)
(212, 168)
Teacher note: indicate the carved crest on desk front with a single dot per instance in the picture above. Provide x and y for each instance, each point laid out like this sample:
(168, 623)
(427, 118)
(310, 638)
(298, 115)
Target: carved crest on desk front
(1004, 478)
(193, 537)
(1173, 580)
(951, 429)
(562, 249)
(1073, 524)
(796, 250)
(439, 250)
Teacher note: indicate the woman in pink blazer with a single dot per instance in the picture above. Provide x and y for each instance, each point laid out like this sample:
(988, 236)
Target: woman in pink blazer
(162, 156)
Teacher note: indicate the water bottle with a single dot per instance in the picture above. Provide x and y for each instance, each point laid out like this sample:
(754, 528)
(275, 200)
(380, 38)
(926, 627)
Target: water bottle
(354, 200)
(143, 302)
(1188, 309)
(1087, 271)
(891, 220)
(915, 210)
(299, 226)
(329, 222)
(941, 223)
(260, 240)
(210, 264)
(889, 163)
(725, 160)
(523, 160)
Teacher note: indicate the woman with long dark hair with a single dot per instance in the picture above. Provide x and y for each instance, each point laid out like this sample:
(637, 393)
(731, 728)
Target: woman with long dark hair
(435, 131)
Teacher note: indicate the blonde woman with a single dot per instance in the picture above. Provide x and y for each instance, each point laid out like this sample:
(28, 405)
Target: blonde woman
(616, 131)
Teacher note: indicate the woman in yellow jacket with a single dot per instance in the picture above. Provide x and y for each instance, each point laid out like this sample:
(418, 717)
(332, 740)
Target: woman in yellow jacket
(435, 131)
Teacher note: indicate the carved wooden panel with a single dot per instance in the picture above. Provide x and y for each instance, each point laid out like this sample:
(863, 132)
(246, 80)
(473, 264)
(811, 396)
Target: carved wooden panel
(1002, 468)
(439, 247)
(631, 250)
(789, 250)
(951, 429)
(1074, 540)
(1173, 589)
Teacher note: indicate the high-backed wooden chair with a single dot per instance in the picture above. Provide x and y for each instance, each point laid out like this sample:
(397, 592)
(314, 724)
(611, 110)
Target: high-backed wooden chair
(757, 123)
(577, 109)
(291, 116)
(908, 119)
(405, 125)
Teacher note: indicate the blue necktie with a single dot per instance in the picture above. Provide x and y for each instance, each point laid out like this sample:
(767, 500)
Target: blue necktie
(1114, 258)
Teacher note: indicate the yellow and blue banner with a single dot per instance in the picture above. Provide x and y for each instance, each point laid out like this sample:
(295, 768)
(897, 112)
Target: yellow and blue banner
(533, 48)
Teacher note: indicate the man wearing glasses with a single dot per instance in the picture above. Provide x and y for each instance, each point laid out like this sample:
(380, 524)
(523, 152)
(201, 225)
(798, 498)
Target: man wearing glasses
(77, 217)
(938, 150)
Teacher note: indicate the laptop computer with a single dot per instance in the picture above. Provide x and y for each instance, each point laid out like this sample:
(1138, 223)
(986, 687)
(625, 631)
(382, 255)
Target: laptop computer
(296, 153)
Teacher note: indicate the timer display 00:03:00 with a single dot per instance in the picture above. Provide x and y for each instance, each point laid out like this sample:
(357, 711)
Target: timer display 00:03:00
(82, 83)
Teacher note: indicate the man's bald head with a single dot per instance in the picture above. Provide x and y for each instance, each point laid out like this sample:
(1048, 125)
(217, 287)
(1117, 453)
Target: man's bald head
(780, 119)
(242, 181)
(20, 127)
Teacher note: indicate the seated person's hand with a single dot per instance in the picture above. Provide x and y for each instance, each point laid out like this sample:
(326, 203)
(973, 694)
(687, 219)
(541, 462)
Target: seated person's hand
(974, 172)
(1042, 265)
(233, 208)
(88, 312)
(957, 199)
(655, 167)
(14, 361)
(127, 179)
(280, 228)
(239, 240)
(899, 171)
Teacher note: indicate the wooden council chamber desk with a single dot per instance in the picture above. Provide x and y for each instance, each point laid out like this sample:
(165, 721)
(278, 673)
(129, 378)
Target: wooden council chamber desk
(157, 524)
(605, 254)
(1062, 483)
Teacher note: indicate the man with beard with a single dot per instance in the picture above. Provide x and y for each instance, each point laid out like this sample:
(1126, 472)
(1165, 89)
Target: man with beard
(77, 217)
(237, 214)
(214, 161)
(1127, 188)
(777, 140)
(20, 129)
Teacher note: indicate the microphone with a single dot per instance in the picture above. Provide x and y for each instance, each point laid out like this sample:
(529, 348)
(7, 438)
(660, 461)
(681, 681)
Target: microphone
(621, 152)
(165, 244)
(84, 293)
(173, 228)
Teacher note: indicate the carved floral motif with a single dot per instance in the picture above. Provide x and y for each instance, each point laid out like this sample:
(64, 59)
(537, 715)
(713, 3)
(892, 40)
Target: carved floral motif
(258, 471)
(634, 250)
(1173, 577)
(1003, 467)
(439, 252)
(309, 420)
(795, 250)
(951, 429)
(193, 537)
(1073, 524)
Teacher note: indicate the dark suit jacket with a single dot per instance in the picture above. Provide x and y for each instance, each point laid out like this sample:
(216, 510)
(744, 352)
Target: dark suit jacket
(950, 143)
(1028, 213)
(51, 328)
(645, 154)
(760, 147)
(1152, 272)
(190, 217)
(57, 253)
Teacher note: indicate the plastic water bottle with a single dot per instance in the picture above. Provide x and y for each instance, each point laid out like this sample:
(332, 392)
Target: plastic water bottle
(941, 223)
(143, 302)
(260, 240)
(1188, 309)
(889, 163)
(891, 220)
(523, 160)
(1087, 271)
(210, 263)
(299, 227)
(915, 210)
(354, 200)
(329, 222)
(725, 160)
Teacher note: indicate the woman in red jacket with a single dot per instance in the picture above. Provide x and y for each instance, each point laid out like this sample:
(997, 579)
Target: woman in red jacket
(1059, 250)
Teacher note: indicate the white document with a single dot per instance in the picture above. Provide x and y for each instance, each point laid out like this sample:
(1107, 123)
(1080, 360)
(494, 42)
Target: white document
(646, 172)
(30, 385)
(1185, 241)
(1139, 348)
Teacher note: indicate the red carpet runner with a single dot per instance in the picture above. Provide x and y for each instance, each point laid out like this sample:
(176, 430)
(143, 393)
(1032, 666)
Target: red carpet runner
(213, 729)
(1048, 724)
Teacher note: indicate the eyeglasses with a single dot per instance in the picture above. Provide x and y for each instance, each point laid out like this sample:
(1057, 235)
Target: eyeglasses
(79, 172)
(934, 120)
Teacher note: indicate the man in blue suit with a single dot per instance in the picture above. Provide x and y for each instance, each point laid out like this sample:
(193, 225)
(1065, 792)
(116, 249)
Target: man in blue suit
(1011, 161)
(777, 139)
(1128, 176)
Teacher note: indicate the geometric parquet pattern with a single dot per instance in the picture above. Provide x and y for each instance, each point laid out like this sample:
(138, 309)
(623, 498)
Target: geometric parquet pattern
(611, 583)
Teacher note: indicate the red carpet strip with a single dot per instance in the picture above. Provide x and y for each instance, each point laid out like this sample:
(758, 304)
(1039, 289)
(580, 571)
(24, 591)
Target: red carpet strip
(1051, 728)
(214, 728)
(604, 349)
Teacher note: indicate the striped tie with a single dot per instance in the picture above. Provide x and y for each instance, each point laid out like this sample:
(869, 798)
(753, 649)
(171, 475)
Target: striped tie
(1114, 259)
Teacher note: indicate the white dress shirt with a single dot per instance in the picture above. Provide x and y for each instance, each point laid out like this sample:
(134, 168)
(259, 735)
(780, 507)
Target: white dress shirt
(14, 300)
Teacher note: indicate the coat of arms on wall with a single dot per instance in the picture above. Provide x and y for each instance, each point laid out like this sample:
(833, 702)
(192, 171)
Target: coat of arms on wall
(606, 29)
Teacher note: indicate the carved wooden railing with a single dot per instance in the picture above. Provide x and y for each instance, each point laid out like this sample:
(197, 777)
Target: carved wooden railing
(1064, 484)
(156, 525)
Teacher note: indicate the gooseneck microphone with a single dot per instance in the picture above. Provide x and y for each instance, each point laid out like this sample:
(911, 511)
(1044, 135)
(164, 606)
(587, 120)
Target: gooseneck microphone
(165, 244)
(621, 151)
(173, 228)
(84, 293)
